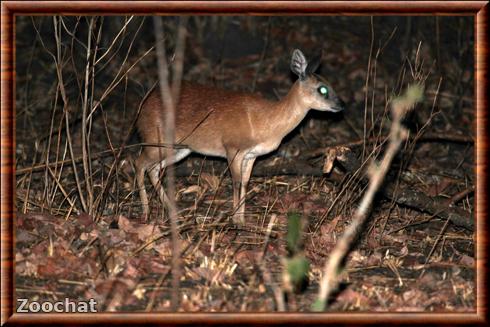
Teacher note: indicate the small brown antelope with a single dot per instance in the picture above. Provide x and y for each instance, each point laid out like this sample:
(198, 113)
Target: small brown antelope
(237, 126)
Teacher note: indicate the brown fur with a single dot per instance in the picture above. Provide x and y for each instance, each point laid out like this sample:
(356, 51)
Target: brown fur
(238, 126)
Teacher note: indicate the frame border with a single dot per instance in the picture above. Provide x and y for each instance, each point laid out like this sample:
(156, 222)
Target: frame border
(9, 9)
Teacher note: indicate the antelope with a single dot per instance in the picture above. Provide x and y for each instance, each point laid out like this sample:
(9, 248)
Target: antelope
(238, 126)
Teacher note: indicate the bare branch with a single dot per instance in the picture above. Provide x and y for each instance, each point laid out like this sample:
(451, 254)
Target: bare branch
(169, 99)
(376, 173)
(61, 86)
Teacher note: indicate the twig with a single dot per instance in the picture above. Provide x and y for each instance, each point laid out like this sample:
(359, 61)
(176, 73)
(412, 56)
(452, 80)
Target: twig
(170, 97)
(57, 60)
(367, 87)
(72, 204)
(24, 210)
(98, 155)
(421, 202)
(178, 67)
(376, 173)
(454, 199)
(118, 78)
(277, 291)
(272, 221)
(85, 105)
(121, 149)
(123, 29)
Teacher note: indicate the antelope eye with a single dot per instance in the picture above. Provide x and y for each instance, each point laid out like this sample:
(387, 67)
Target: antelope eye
(323, 90)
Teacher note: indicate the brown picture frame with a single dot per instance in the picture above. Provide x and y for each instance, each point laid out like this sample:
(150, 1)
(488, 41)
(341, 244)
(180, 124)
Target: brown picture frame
(9, 9)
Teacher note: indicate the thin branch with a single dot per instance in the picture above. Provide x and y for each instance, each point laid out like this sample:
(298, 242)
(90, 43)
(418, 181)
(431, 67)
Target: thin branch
(178, 66)
(85, 105)
(366, 95)
(170, 97)
(121, 149)
(376, 173)
(64, 97)
(123, 29)
(98, 155)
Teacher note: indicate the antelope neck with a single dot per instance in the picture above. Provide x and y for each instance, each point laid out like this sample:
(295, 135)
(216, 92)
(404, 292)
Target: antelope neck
(287, 113)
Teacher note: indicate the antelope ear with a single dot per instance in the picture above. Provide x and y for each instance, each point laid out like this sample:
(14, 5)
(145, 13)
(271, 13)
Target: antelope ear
(314, 64)
(299, 64)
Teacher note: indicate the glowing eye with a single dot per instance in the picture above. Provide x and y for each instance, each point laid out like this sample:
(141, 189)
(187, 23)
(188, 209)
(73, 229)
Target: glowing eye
(323, 91)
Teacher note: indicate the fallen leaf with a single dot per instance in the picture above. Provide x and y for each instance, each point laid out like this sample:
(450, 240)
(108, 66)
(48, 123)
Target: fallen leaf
(192, 189)
(211, 180)
(467, 260)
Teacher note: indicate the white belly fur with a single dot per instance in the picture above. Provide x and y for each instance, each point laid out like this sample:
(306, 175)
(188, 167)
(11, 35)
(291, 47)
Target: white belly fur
(261, 149)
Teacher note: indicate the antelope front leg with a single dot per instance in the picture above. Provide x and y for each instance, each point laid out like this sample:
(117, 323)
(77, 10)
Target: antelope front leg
(235, 162)
(247, 165)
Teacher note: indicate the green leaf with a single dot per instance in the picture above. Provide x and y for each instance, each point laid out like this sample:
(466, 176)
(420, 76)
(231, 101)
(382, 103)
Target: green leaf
(297, 268)
(318, 305)
(294, 231)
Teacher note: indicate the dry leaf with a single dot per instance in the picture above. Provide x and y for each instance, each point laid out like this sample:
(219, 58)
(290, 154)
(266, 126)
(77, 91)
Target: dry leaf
(467, 260)
(211, 180)
(192, 189)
